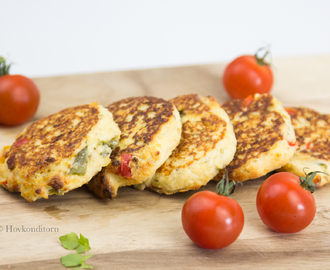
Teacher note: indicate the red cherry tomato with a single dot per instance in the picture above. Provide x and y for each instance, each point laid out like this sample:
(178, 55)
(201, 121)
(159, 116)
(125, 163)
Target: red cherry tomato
(19, 97)
(212, 221)
(247, 75)
(284, 205)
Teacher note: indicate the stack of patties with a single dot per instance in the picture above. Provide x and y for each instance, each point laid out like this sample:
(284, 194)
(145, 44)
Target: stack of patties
(59, 153)
(265, 137)
(207, 145)
(313, 135)
(150, 131)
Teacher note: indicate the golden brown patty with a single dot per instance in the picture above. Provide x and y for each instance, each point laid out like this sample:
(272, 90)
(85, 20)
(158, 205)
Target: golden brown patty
(151, 129)
(207, 144)
(313, 135)
(51, 139)
(59, 153)
(265, 137)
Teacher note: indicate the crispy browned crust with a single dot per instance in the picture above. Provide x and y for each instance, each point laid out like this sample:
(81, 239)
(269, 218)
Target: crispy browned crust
(155, 112)
(249, 121)
(312, 132)
(101, 186)
(56, 183)
(52, 139)
(197, 138)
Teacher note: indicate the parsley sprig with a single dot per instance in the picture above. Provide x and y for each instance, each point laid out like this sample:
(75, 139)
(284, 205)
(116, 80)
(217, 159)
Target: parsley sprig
(81, 244)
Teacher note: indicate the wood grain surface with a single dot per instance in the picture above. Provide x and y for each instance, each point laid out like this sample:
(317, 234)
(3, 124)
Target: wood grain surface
(142, 229)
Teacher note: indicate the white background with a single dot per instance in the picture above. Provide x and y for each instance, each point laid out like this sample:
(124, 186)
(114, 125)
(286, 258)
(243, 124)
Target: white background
(47, 38)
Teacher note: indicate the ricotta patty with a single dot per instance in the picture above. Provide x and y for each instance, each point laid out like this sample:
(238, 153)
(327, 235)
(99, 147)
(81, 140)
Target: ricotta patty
(150, 130)
(265, 137)
(313, 135)
(59, 153)
(207, 145)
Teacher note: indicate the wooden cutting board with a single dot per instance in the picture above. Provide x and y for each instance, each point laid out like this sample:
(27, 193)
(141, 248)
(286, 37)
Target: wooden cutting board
(141, 229)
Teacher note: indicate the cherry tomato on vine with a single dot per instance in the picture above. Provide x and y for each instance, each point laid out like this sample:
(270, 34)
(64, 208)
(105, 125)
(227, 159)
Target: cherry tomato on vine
(19, 97)
(211, 220)
(285, 202)
(247, 75)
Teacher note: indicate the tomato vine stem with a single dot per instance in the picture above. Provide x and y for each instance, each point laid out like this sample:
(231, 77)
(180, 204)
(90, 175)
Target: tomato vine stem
(226, 187)
(4, 69)
(262, 60)
(307, 181)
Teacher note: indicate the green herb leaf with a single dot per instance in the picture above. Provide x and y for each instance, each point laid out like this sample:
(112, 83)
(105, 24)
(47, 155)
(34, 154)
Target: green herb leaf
(86, 257)
(86, 266)
(83, 264)
(74, 259)
(83, 244)
(70, 241)
(81, 249)
(79, 166)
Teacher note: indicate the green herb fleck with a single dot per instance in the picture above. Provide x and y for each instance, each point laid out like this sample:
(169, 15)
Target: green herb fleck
(79, 165)
(51, 192)
(113, 143)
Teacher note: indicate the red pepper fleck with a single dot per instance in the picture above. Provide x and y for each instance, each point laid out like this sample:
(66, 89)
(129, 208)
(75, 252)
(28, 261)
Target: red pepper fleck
(247, 101)
(125, 170)
(4, 183)
(308, 146)
(20, 142)
(295, 143)
(291, 111)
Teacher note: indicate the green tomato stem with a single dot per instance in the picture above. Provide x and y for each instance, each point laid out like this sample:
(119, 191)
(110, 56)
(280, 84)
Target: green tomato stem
(226, 187)
(4, 69)
(307, 181)
(262, 60)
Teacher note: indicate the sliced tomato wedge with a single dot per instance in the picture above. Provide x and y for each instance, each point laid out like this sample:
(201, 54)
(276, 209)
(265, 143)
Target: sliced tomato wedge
(125, 170)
